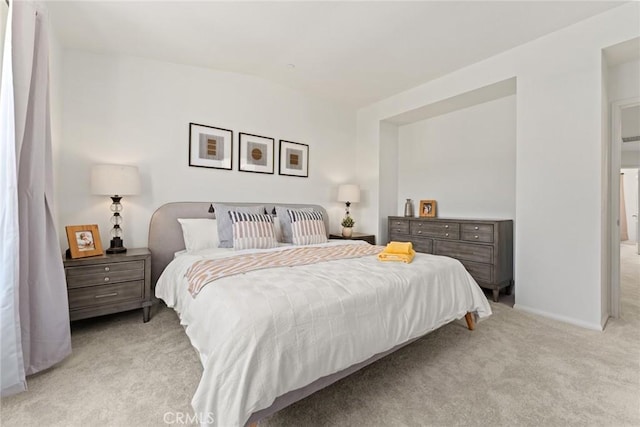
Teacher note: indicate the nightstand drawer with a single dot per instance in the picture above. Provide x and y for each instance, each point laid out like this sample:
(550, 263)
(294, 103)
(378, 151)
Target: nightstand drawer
(399, 226)
(104, 273)
(105, 294)
(442, 230)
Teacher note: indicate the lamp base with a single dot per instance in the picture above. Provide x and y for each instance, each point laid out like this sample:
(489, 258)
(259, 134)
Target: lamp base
(116, 246)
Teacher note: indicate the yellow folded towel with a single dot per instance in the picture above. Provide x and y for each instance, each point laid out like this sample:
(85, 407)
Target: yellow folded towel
(406, 258)
(399, 248)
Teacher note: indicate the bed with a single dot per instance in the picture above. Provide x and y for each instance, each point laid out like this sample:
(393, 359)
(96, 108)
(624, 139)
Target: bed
(270, 337)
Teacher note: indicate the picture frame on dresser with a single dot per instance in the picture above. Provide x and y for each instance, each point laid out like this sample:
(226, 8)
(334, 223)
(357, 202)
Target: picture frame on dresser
(428, 208)
(84, 241)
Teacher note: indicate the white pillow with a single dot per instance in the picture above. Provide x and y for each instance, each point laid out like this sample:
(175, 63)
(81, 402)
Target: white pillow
(199, 233)
(277, 227)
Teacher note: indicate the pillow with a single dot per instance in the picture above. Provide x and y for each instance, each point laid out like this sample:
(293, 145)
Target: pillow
(225, 230)
(307, 227)
(252, 231)
(277, 227)
(199, 233)
(285, 221)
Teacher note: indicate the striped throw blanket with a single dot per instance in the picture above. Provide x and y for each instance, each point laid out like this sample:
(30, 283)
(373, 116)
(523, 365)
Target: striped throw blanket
(206, 271)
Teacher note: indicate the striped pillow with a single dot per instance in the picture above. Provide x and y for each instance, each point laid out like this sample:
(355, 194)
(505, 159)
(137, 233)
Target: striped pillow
(252, 231)
(307, 228)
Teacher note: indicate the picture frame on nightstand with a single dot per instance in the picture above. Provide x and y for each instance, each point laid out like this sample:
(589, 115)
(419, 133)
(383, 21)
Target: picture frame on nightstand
(84, 240)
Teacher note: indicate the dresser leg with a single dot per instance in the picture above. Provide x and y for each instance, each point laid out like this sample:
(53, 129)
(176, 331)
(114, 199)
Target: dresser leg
(146, 311)
(496, 293)
(509, 290)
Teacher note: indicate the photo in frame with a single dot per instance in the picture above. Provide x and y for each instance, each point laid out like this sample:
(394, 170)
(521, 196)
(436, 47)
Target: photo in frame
(294, 159)
(428, 208)
(210, 147)
(255, 153)
(84, 240)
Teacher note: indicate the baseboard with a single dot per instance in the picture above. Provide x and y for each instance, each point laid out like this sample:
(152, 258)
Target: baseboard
(570, 320)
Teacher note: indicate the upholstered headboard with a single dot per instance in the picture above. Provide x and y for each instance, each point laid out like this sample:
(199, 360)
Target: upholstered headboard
(165, 232)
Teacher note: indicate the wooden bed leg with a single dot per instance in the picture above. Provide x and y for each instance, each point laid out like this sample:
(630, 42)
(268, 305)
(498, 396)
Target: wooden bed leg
(471, 324)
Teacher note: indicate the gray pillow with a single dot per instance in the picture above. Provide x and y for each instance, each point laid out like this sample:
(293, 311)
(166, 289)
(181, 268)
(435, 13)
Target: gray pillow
(225, 226)
(285, 221)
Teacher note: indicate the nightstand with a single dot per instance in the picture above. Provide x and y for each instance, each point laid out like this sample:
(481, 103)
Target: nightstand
(108, 284)
(356, 236)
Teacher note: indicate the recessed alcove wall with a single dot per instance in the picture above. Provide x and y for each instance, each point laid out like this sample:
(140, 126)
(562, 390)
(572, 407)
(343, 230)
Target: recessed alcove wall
(459, 151)
(465, 159)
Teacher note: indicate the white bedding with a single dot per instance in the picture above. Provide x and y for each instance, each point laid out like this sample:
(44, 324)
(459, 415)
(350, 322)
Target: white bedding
(267, 332)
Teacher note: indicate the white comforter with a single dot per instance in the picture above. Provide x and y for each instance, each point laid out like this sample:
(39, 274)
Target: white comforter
(264, 333)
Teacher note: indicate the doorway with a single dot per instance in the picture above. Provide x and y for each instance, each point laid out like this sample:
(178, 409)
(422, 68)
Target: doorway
(625, 162)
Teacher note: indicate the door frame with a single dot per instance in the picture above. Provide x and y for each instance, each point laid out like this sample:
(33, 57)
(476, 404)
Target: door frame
(615, 157)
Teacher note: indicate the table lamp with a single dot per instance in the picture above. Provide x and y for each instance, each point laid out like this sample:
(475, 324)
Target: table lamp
(348, 193)
(115, 181)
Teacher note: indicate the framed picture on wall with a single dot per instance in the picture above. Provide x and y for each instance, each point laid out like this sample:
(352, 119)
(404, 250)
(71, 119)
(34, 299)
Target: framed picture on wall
(210, 147)
(294, 159)
(255, 153)
(428, 208)
(84, 240)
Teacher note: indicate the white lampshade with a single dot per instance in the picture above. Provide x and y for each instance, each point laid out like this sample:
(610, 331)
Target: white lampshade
(115, 180)
(349, 193)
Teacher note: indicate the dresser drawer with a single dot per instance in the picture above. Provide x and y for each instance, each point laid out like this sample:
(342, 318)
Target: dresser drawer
(104, 273)
(396, 237)
(399, 226)
(464, 251)
(105, 294)
(441, 230)
(480, 272)
(477, 232)
(422, 245)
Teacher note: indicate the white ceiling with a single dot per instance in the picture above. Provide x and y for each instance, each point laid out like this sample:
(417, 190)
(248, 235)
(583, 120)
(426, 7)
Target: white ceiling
(353, 53)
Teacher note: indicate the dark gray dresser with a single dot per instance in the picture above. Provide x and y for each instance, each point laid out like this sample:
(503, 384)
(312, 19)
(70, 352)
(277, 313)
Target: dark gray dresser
(484, 247)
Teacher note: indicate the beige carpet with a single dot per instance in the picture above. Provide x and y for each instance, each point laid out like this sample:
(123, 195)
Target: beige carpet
(514, 369)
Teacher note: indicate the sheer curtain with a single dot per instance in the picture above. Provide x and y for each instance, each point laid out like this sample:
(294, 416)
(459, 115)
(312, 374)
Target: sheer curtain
(33, 304)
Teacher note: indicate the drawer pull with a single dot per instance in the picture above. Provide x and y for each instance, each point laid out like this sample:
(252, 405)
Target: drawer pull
(106, 279)
(398, 223)
(106, 269)
(446, 235)
(475, 237)
(446, 226)
(476, 228)
(419, 231)
(112, 294)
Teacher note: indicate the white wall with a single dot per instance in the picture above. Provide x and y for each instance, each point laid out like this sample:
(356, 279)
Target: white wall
(388, 173)
(624, 80)
(559, 203)
(465, 160)
(136, 111)
(631, 196)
